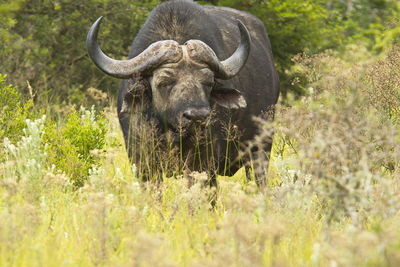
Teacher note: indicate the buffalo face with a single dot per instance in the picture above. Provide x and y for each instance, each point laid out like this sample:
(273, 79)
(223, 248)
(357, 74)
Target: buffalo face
(181, 94)
(182, 77)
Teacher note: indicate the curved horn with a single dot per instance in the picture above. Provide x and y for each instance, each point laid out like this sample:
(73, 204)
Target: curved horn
(156, 54)
(200, 51)
(232, 65)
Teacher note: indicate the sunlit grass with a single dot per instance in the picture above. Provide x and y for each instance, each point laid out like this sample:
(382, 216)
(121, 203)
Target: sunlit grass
(115, 219)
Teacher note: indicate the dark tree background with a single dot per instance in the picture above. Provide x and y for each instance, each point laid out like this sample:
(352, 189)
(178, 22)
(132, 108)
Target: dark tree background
(42, 42)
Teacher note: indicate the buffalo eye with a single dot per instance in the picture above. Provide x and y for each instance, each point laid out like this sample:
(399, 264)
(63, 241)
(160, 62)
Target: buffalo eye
(209, 84)
(165, 83)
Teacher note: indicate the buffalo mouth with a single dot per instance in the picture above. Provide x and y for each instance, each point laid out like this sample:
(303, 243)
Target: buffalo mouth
(194, 133)
(182, 131)
(179, 135)
(175, 133)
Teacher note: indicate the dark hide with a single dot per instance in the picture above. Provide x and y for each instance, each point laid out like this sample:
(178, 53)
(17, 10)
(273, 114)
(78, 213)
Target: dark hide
(257, 82)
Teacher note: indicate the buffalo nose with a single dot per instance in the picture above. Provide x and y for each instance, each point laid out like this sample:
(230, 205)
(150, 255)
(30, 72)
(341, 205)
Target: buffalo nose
(196, 114)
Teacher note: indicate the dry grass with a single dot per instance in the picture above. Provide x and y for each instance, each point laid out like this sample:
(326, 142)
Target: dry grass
(333, 195)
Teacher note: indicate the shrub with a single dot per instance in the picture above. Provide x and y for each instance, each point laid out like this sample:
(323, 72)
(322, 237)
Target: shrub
(13, 111)
(26, 159)
(346, 154)
(71, 146)
(384, 85)
(344, 142)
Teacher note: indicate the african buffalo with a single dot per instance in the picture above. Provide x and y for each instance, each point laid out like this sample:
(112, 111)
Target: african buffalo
(193, 69)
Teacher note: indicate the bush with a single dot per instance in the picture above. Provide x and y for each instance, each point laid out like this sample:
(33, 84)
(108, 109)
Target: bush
(25, 160)
(344, 142)
(347, 154)
(14, 111)
(384, 85)
(72, 147)
(374, 22)
(44, 42)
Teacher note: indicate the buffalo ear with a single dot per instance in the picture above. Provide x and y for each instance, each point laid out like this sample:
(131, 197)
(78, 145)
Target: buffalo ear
(138, 92)
(228, 98)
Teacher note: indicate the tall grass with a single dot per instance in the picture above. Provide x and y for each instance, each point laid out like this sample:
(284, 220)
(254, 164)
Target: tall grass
(69, 195)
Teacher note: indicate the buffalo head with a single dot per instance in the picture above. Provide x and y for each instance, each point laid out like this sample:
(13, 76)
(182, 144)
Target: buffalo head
(182, 77)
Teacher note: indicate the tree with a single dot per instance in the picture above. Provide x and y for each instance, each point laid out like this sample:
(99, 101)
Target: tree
(44, 42)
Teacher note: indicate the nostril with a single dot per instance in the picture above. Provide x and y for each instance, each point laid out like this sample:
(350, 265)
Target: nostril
(188, 114)
(196, 114)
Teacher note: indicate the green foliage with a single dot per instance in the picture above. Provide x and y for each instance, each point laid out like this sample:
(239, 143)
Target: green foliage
(293, 26)
(367, 20)
(296, 26)
(86, 131)
(44, 42)
(71, 148)
(9, 42)
(13, 111)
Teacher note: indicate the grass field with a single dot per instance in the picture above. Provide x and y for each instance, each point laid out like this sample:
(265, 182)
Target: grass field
(333, 195)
